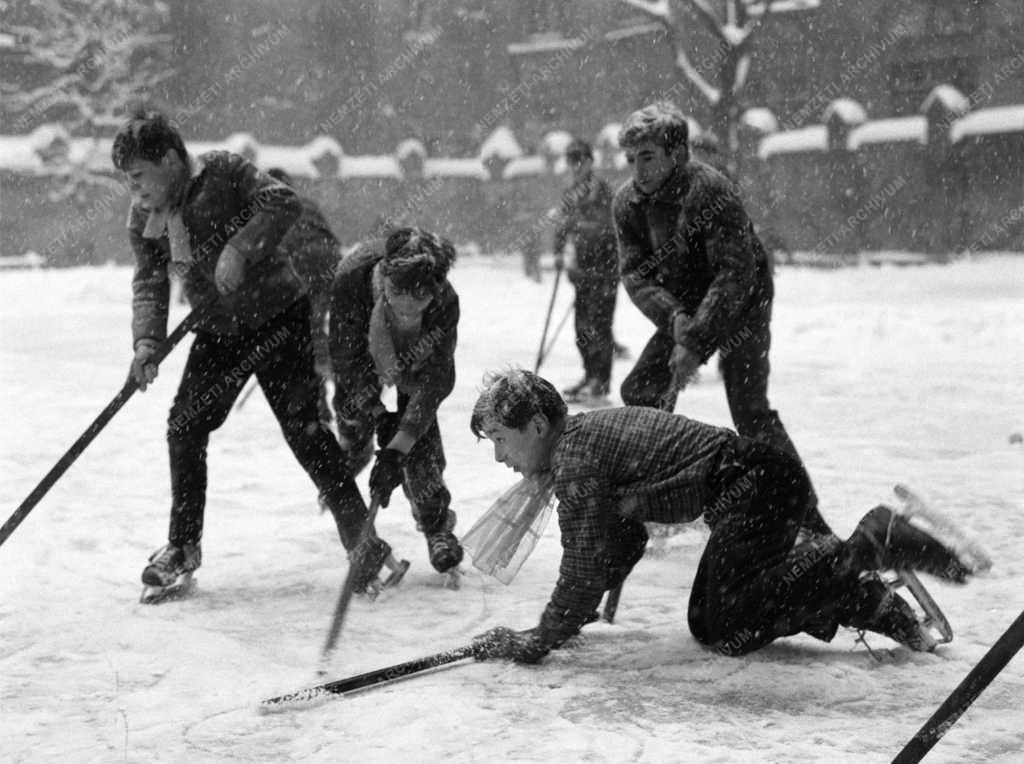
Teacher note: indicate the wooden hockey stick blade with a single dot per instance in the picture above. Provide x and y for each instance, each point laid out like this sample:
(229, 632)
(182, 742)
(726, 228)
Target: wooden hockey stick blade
(363, 681)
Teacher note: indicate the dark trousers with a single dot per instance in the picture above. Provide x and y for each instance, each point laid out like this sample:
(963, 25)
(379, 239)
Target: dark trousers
(752, 585)
(280, 354)
(745, 367)
(595, 310)
(423, 483)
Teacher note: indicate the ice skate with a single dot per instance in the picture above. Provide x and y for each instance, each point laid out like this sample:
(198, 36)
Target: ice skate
(373, 555)
(593, 394)
(169, 573)
(883, 611)
(886, 540)
(573, 392)
(445, 551)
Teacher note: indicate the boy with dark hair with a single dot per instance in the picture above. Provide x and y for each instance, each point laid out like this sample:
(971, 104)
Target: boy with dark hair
(394, 321)
(692, 264)
(752, 496)
(217, 221)
(586, 218)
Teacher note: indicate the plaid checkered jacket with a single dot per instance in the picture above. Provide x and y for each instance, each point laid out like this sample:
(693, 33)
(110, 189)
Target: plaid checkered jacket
(632, 462)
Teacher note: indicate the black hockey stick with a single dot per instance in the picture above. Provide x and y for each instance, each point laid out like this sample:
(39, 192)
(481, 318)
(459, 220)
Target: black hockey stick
(369, 679)
(356, 559)
(611, 604)
(557, 331)
(966, 692)
(547, 320)
(94, 429)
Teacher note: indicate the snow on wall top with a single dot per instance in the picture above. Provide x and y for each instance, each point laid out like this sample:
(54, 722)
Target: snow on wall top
(810, 138)
(380, 166)
(896, 130)
(535, 165)
(999, 119)
(848, 110)
(501, 144)
(760, 119)
(455, 167)
(947, 95)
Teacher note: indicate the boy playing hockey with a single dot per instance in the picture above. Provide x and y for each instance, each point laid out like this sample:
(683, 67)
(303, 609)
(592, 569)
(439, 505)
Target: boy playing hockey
(594, 272)
(394, 320)
(216, 221)
(615, 469)
(692, 264)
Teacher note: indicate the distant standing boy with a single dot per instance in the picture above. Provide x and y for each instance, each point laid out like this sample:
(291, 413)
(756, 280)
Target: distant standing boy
(587, 220)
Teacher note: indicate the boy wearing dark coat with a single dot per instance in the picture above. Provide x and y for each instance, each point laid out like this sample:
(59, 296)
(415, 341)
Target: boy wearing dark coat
(586, 218)
(394, 321)
(616, 469)
(216, 221)
(691, 262)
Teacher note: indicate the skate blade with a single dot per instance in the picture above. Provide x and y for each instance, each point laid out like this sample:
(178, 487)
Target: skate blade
(154, 595)
(934, 624)
(452, 579)
(398, 570)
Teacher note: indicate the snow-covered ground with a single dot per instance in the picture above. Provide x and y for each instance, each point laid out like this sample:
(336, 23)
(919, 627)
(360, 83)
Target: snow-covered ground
(881, 375)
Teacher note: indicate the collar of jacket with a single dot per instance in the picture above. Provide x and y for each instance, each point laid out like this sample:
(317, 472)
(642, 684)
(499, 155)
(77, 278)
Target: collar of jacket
(156, 223)
(672, 190)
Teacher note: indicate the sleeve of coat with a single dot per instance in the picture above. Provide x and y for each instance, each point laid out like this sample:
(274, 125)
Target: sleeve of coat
(728, 240)
(357, 386)
(436, 378)
(583, 511)
(639, 266)
(151, 286)
(270, 210)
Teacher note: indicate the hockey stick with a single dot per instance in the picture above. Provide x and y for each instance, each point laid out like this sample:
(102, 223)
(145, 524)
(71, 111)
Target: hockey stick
(369, 679)
(558, 330)
(966, 692)
(348, 588)
(547, 320)
(246, 394)
(94, 429)
(611, 604)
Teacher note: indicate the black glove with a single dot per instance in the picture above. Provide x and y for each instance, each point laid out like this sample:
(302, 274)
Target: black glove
(386, 474)
(502, 643)
(387, 427)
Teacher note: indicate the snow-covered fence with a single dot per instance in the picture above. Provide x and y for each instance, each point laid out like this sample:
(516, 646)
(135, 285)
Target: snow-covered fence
(960, 176)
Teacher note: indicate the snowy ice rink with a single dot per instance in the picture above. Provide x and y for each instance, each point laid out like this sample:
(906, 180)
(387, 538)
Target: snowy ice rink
(881, 375)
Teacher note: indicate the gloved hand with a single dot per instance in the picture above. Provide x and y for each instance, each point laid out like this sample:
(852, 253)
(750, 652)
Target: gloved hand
(386, 474)
(143, 370)
(502, 643)
(387, 427)
(230, 270)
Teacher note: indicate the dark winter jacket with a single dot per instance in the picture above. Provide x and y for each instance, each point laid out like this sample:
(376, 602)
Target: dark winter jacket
(425, 368)
(690, 247)
(587, 215)
(637, 463)
(227, 201)
(315, 253)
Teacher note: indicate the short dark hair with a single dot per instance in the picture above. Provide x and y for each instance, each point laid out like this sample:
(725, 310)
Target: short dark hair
(579, 149)
(148, 135)
(416, 260)
(661, 122)
(512, 398)
(278, 174)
